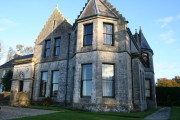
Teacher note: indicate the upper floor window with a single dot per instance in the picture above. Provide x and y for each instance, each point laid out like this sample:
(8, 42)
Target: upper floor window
(55, 82)
(88, 34)
(57, 46)
(47, 48)
(108, 80)
(146, 58)
(86, 80)
(43, 83)
(148, 88)
(108, 33)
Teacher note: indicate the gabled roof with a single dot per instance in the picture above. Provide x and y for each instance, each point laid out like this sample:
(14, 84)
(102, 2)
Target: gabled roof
(99, 7)
(10, 63)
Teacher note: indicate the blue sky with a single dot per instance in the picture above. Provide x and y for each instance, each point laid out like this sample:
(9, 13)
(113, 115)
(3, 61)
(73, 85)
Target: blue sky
(22, 20)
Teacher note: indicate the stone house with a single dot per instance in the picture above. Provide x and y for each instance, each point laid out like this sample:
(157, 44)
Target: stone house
(95, 64)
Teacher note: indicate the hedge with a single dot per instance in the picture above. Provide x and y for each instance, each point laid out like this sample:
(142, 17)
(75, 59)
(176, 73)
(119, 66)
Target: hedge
(168, 96)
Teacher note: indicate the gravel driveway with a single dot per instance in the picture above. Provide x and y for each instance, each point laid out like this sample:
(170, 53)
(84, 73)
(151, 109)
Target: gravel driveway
(15, 112)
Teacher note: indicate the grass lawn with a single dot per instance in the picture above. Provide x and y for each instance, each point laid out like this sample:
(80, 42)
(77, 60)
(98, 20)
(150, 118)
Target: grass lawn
(175, 115)
(66, 114)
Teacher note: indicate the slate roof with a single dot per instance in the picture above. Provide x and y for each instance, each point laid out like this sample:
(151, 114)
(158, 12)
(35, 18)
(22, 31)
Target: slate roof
(10, 63)
(144, 43)
(99, 7)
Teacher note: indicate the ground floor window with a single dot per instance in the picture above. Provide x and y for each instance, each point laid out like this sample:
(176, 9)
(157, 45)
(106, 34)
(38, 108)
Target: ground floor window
(148, 88)
(55, 83)
(21, 84)
(86, 80)
(43, 83)
(108, 80)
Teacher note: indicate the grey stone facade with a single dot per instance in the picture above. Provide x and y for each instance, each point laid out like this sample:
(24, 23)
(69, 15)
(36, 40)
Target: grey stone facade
(131, 70)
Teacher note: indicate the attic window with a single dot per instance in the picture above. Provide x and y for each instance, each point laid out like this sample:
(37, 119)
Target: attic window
(88, 34)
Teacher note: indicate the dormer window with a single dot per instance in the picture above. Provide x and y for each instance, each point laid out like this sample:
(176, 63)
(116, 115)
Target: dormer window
(108, 33)
(47, 48)
(145, 57)
(57, 46)
(88, 34)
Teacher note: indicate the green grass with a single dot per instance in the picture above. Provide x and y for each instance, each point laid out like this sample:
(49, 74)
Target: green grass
(67, 114)
(175, 115)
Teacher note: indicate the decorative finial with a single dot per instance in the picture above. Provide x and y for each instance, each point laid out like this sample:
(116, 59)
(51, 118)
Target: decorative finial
(140, 30)
(56, 6)
(135, 30)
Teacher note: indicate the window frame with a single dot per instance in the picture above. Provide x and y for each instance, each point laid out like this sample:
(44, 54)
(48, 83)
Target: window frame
(105, 23)
(113, 90)
(150, 89)
(55, 47)
(84, 35)
(86, 80)
(51, 92)
(45, 48)
(40, 91)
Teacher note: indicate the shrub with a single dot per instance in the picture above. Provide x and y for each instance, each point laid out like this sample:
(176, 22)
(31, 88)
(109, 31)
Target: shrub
(47, 101)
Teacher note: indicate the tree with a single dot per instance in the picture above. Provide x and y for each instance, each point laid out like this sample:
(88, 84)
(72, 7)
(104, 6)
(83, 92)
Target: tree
(10, 54)
(164, 82)
(24, 50)
(6, 81)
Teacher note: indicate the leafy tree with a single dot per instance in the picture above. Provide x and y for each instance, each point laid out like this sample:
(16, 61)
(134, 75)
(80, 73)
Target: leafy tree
(24, 50)
(164, 82)
(10, 54)
(6, 81)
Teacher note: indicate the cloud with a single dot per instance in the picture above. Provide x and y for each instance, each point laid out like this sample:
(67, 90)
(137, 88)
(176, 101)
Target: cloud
(167, 20)
(167, 37)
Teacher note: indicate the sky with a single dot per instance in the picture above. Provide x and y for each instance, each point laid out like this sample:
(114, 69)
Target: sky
(22, 20)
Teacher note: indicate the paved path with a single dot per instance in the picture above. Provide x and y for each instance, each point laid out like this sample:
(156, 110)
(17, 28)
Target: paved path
(161, 114)
(15, 112)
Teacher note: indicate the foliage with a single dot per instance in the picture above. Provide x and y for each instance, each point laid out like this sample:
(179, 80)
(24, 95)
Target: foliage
(24, 50)
(175, 113)
(164, 82)
(47, 101)
(10, 54)
(6, 81)
(67, 114)
(168, 96)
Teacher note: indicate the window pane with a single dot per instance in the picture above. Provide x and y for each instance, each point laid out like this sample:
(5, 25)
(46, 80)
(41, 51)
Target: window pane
(86, 79)
(57, 51)
(107, 72)
(108, 28)
(55, 90)
(108, 80)
(108, 88)
(107, 39)
(57, 41)
(55, 76)
(147, 84)
(148, 93)
(48, 44)
(148, 88)
(47, 54)
(87, 88)
(88, 40)
(88, 29)
(87, 72)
